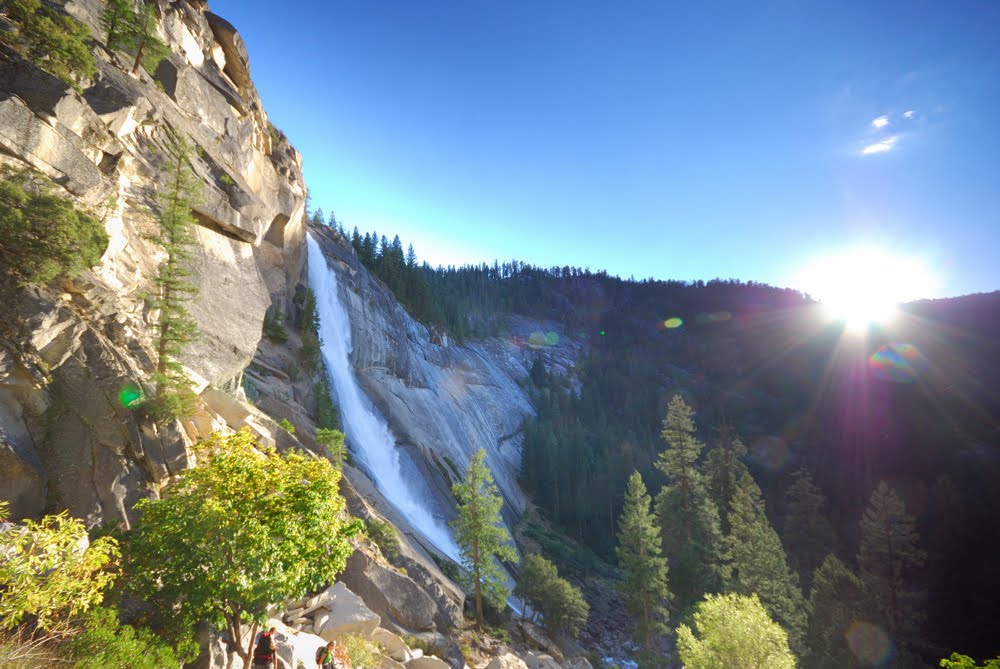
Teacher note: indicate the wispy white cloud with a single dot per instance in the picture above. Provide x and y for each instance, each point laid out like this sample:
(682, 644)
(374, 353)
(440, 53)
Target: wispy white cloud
(881, 122)
(881, 146)
(909, 113)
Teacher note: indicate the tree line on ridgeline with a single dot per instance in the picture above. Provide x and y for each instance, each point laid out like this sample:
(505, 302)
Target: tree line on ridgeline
(750, 357)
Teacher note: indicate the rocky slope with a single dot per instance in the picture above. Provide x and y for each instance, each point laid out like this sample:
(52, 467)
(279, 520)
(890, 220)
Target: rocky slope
(67, 442)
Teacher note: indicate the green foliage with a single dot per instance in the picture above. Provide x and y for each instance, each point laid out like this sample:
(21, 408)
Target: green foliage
(51, 39)
(245, 529)
(118, 18)
(480, 534)
(835, 601)
(327, 416)
(723, 469)
(103, 642)
(689, 520)
(646, 588)
(42, 236)
(561, 605)
(226, 180)
(361, 652)
(312, 356)
(46, 573)
(385, 537)
(274, 326)
(808, 534)
(733, 632)
(176, 327)
(959, 661)
(287, 426)
(334, 442)
(888, 555)
(754, 562)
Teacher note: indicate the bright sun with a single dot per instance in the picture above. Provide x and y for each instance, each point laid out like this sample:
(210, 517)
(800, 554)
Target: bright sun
(865, 286)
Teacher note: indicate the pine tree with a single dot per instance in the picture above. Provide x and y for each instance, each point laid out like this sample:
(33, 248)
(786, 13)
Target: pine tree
(808, 534)
(723, 469)
(149, 50)
(755, 562)
(836, 601)
(118, 18)
(888, 556)
(480, 534)
(646, 588)
(176, 327)
(688, 518)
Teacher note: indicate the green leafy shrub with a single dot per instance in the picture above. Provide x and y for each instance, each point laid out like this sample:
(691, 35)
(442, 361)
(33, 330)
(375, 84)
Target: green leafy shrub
(103, 642)
(51, 39)
(274, 326)
(42, 236)
(327, 415)
(361, 651)
(46, 574)
(385, 537)
(287, 426)
(334, 442)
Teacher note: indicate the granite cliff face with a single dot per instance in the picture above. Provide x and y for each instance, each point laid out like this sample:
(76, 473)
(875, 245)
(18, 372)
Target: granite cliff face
(443, 401)
(65, 439)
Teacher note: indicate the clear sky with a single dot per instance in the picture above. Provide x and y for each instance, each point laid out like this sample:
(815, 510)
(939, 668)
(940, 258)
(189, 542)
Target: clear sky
(650, 138)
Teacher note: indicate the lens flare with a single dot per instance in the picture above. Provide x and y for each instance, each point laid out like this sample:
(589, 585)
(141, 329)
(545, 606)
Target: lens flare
(536, 339)
(672, 323)
(130, 396)
(770, 452)
(897, 363)
(869, 643)
(551, 338)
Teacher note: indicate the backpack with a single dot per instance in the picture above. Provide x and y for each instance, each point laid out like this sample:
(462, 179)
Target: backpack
(264, 652)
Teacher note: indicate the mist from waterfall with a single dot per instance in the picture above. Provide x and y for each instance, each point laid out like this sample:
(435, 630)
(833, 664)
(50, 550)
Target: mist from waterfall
(372, 442)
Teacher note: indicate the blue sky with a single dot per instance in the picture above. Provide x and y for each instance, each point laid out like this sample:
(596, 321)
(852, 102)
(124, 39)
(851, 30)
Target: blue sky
(669, 139)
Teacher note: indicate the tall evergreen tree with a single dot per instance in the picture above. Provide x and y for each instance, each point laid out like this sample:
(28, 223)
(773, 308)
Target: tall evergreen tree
(118, 18)
(646, 588)
(723, 469)
(149, 50)
(888, 556)
(835, 601)
(481, 536)
(176, 327)
(755, 562)
(808, 534)
(688, 518)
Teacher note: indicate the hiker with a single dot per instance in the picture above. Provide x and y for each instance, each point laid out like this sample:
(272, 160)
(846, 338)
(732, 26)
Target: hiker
(265, 655)
(331, 657)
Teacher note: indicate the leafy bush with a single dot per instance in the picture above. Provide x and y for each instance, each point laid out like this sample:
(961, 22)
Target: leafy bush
(274, 326)
(334, 442)
(103, 642)
(287, 426)
(48, 573)
(52, 40)
(42, 236)
(561, 605)
(360, 651)
(385, 537)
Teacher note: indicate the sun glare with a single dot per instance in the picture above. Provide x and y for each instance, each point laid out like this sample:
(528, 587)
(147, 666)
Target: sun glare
(865, 286)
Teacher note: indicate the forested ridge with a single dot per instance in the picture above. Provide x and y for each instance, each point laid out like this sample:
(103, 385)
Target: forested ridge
(820, 421)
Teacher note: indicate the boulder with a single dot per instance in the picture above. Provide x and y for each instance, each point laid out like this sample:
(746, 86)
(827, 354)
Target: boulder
(394, 646)
(507, 661)
(389, 593)
(427, 662)
(385, 662)
(348, 615)
(536, 636)
(540, 661)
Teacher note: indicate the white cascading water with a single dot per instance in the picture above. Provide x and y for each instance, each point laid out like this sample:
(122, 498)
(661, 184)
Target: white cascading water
(368, 434)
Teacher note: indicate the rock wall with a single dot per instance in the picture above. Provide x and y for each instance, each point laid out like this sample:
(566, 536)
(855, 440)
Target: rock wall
(443, 401)
(66, 441)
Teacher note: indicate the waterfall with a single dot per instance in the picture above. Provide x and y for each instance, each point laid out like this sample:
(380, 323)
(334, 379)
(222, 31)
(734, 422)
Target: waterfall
(372, 442)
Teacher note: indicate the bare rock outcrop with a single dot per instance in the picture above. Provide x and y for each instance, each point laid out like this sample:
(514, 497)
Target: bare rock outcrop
(66, 439)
